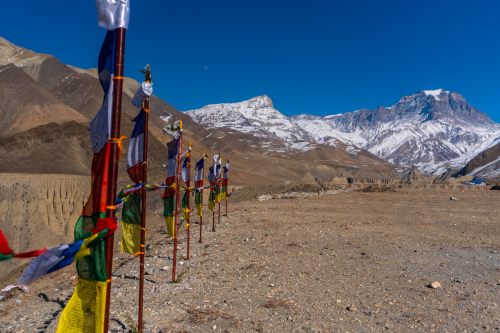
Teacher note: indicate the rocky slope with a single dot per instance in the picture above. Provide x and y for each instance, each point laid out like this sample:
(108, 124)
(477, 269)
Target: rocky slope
(486, 164)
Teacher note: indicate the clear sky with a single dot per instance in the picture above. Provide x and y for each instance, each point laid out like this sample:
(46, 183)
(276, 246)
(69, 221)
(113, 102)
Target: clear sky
(309, 56)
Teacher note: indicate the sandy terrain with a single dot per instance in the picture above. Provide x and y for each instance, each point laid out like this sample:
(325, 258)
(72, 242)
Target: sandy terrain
(349, 262)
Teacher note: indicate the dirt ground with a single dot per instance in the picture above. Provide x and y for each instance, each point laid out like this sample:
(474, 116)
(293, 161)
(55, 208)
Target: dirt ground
(349, 262)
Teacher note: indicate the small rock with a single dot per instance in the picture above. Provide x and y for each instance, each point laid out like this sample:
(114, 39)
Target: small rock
(214, 327)
(165, 268)
(18, 301)
(271, 285)
(434, 285)
(453, 198)
(351, 308)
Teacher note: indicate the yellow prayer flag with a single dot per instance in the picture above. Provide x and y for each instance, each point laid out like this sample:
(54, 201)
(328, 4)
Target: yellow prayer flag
(131, 238)
(170, 220)
(84, 312)
(84, 249)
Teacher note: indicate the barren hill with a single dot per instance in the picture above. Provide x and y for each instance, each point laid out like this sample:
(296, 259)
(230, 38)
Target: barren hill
(48, 105)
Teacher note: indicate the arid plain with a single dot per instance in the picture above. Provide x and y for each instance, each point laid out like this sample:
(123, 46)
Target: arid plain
(344, 262)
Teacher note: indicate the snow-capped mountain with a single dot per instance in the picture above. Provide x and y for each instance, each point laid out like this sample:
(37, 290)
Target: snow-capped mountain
(434, 129)
(256, 116)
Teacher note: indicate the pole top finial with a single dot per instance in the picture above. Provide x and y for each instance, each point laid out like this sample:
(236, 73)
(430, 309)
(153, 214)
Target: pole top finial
(147, 73)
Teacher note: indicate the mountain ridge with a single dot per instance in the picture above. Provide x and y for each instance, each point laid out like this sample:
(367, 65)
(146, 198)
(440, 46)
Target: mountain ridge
(434, 130)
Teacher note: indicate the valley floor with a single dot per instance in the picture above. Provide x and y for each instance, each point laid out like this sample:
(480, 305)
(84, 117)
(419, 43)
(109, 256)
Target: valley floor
(350, 262)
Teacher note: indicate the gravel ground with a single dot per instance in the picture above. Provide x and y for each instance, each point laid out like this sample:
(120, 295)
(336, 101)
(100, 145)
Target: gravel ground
(348, 262)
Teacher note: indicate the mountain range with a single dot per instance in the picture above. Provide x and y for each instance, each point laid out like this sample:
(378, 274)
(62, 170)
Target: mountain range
(436, 131)
(47, 105)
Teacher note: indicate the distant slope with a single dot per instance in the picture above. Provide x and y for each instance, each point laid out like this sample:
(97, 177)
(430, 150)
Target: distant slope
(26, 105)
(486, 164)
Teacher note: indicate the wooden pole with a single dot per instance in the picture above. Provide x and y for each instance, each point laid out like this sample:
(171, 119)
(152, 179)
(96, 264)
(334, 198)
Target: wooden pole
(188, 191)
(226, 205)
(140, 325)
(176, 212)
(213, 220)
(201, 195)
(218, 215)
(113, 161)
(201, 228)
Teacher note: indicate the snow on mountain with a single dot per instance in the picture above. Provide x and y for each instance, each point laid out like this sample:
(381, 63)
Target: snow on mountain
(489, 170)
(256, 116)
(434, 130)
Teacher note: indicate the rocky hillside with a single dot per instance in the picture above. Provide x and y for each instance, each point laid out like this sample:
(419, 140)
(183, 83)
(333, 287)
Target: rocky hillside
(486, 164)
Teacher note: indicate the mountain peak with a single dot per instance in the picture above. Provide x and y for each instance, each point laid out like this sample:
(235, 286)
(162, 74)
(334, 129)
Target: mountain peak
(260, 102)
(437, 93)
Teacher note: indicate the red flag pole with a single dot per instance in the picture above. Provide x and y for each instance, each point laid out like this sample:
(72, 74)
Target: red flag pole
(188, 191)
(218, 215)
(219, 183)
(176, 212)
(140, 325)
(213, 220)
(201, 228)
(113, 161)
(227, 189)
(202, 190)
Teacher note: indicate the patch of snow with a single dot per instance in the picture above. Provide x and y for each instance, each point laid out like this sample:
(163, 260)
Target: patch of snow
(434, 93)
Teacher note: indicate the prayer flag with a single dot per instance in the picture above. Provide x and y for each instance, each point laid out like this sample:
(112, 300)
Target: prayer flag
(131, 224)
(135, 154)
(224, 181)
(198, 184)
(170, 191)
(5, 251)
(85, 309)
(113, 14)
(100, 126)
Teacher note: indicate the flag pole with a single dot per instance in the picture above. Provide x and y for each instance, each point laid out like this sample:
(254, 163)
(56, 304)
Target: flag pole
(213, 220)
(140, 325)
(176, 212)
(227, 186)
(113, 161)
(218, 215)
(201, 228)
(202, 190)
(188, 190)
(219, 182)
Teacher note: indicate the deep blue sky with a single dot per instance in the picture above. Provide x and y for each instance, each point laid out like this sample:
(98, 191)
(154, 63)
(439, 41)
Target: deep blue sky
(309, 56)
